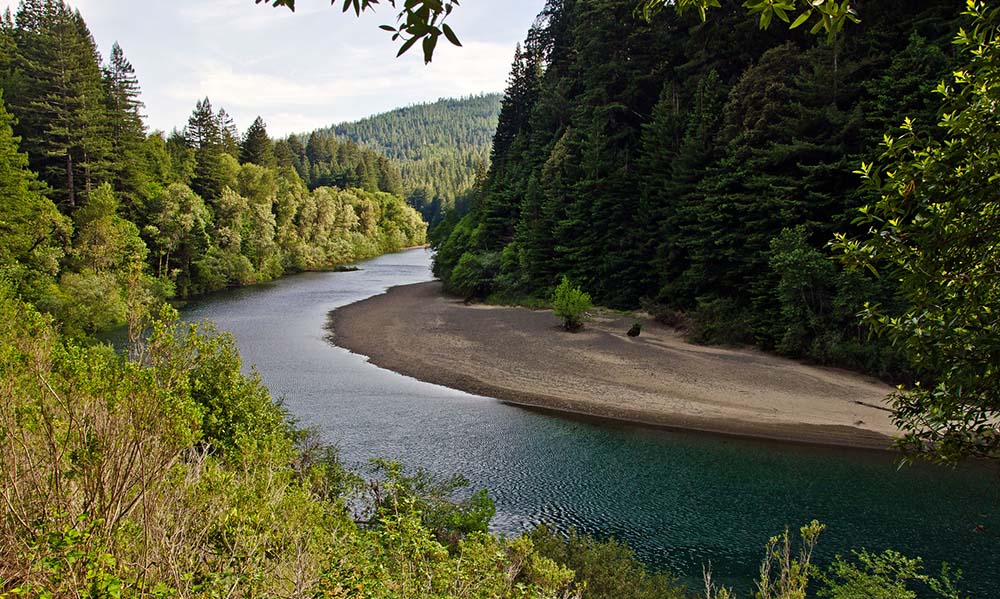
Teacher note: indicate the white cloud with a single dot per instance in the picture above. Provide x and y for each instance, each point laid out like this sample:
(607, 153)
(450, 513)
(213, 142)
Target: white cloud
(235, 14)
(301, 70)
(345, 90)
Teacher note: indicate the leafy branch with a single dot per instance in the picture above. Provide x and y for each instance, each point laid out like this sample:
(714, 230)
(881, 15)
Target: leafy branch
(825, 15)
(418, 20)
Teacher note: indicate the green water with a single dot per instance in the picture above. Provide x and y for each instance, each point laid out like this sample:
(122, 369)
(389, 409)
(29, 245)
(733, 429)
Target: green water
(679, 499)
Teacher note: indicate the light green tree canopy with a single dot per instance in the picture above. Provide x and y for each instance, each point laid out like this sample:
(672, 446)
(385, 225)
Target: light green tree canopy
(936, 229)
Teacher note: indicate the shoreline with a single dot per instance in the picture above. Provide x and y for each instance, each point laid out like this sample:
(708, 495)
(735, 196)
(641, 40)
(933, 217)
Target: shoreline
(522, 357)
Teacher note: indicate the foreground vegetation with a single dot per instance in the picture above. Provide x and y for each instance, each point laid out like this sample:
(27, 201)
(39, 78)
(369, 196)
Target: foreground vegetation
(168, 473)
(165, 471)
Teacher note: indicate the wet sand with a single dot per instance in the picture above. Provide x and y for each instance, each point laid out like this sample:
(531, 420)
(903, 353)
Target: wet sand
(524, 357)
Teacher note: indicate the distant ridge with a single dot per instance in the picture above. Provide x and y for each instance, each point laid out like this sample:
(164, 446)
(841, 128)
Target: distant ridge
(438, 146)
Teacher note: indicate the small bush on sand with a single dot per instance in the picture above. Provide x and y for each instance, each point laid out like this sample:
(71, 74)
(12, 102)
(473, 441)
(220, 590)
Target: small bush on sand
(570, 304)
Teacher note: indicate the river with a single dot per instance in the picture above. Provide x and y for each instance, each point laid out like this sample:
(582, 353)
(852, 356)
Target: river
(679, 499)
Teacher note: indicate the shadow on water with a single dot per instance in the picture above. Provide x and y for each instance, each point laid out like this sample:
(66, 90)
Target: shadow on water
(679, 499)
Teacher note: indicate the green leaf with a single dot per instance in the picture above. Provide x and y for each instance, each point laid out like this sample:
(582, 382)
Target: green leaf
(448, 33)
(406, 46)
(429, 43)
(802, 19)
(765, 19)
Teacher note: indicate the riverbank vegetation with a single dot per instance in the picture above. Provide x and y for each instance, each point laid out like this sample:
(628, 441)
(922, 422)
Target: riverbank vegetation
(702, 167)
(706, 168)
(441, 148)
(98, 213)
(165, 471)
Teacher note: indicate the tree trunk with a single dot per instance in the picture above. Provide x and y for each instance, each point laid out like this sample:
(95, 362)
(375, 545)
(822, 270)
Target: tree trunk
(71, 198)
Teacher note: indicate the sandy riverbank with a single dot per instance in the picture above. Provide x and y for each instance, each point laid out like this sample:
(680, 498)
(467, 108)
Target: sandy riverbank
(523, 357)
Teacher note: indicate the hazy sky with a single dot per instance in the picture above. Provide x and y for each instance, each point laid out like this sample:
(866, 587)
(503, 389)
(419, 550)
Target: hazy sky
(301, 70)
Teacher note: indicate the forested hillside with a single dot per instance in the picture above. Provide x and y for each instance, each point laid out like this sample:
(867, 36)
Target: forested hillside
(699, 169)
(97, 213)
(439, 147)
(699, 165)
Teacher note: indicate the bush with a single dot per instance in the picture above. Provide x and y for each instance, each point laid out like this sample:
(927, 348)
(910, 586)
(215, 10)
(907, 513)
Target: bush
(608, 569)
(570, 304)
(721, 321)
(473, 277)
(448, 518)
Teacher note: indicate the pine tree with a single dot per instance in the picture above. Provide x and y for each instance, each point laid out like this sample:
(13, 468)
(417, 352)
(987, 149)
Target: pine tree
(499, 211)
(61, 101)
(317, 148)
(677, 149)
(205, 137)
(126, 130)
(182, 161)
(8, 52)
(257, 147)
(230, 134)
(32, 232)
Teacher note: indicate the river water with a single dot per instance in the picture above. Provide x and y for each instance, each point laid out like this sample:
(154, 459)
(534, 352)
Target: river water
(678, 499)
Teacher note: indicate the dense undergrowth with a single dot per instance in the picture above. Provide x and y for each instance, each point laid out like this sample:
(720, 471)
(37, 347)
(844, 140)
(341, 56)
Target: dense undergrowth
(166, 472)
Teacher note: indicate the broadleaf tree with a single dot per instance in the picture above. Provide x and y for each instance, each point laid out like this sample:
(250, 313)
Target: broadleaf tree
(935, 228)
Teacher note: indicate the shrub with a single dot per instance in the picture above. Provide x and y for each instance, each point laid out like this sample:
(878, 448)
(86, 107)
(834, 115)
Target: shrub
(721, 321)
(473, 276)
(570, 304)
(447, 517)
(607, 569)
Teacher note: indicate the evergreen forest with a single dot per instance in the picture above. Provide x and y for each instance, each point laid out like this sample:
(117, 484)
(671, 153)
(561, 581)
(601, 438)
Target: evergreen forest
(99, 212)
(440, 148)
(695, 168)
(699, 170)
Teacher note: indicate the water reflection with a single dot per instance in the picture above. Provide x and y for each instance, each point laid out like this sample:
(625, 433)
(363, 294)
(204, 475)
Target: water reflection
(678, 499)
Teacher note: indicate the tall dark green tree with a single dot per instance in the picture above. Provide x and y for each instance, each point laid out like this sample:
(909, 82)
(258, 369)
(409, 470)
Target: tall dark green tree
(33, 235)
(60, 99)
(126, 131)
(257, 147)
(204, 135)
(676, 147)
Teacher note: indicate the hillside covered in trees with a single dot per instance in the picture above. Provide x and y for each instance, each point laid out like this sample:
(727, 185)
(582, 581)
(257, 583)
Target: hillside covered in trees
(699, 169)
(97, 213)
(440, 147)
(167, 471)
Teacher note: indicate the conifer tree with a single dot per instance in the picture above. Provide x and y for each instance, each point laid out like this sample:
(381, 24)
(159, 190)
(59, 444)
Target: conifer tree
(205, 137)
(229, 133)
(8, 51)
(257, 147)
(32, 232)
(60, 101)
(126, 130)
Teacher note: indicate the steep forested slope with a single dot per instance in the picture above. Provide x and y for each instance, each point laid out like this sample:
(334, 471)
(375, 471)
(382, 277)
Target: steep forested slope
(439, 147)
(167, 472)
(699, 167)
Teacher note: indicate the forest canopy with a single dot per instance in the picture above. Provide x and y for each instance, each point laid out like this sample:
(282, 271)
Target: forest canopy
(440, 148)
(699, 165)
(103, 212)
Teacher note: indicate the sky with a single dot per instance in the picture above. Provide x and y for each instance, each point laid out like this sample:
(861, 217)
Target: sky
(299, 71)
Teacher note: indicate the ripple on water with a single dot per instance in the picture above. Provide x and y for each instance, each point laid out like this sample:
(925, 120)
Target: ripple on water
(680, 500)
